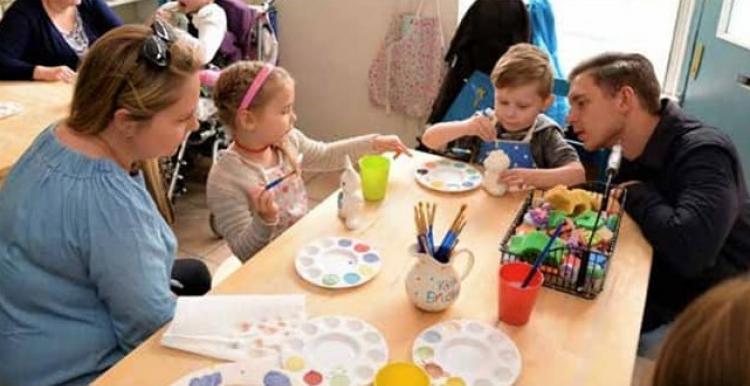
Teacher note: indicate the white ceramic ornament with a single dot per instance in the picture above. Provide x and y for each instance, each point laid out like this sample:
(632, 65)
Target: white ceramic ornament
(350, 200)
(496, 163)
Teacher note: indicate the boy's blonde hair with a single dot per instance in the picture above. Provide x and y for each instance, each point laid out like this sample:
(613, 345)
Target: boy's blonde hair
(113, 76)
(521, 65)
(233, 84)
(707, 344)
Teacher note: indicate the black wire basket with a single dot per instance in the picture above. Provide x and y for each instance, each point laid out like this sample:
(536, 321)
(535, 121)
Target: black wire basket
(562, 267)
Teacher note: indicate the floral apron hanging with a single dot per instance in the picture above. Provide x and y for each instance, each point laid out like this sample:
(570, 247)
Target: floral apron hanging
(407, 71)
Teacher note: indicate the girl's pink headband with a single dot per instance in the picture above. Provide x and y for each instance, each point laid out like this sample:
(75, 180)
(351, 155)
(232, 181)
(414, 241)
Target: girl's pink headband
(209, 78)
(255, 86)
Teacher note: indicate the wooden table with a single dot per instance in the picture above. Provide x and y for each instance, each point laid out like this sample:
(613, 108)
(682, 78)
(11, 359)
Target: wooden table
(43, 103)
(569, 341)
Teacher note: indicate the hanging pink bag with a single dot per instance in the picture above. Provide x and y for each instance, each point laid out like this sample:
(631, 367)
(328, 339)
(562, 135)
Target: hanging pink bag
(407, 71)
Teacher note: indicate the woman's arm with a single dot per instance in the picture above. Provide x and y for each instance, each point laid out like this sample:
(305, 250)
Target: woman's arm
(130, 261)
(16, 32)
(103, 16)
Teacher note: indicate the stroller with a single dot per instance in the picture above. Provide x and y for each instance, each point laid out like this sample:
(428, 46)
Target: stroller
(167, 178)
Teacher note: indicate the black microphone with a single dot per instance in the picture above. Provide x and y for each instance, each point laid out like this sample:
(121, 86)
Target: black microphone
(613, 166)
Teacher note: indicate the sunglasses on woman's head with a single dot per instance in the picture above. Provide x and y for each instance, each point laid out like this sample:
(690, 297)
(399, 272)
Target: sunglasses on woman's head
(156, 47)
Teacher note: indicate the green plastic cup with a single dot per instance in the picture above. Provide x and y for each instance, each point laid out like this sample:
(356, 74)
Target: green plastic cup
(374, 172)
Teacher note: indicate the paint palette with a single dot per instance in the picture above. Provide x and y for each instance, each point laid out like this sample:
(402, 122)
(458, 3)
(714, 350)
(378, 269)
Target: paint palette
(336, 262)
(334, 351)
(448, 176)
(231, 374)
(467, 352)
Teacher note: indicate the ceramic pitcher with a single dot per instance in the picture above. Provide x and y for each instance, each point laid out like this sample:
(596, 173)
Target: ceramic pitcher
(432, 285)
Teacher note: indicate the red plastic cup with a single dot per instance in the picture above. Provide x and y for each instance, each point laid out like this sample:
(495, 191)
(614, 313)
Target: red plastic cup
(516, 303)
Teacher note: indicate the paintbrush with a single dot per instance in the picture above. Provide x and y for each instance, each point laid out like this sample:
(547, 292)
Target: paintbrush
(279, 180)
(542, 256)
(442, 253)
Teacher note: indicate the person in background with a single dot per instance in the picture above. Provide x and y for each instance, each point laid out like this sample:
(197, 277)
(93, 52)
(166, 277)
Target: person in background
(707, 344)
(86, 260)
(685, 185)
(523, 90)
(46, 39)
(203, 20)
(256, 102)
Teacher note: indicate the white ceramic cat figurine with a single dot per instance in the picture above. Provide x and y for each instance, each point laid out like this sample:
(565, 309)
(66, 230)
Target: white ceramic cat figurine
(496, 163)
(351, 203)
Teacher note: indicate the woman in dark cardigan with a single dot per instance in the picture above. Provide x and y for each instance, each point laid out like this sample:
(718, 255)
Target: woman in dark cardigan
(46, 39)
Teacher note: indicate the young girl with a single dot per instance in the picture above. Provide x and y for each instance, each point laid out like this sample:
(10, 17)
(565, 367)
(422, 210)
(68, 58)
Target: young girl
(523, 90)
(256, 102)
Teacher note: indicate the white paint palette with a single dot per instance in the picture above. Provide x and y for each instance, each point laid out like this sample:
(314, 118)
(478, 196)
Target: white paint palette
(335, 350)
(337, 262)
(448, 176)
(231, 374)
(467, 352)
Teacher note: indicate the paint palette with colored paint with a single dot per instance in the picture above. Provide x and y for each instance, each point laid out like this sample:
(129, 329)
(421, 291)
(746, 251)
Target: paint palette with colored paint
(236, 374)
(334, 351)
(337, 262)
(448, 176)
(467, 352)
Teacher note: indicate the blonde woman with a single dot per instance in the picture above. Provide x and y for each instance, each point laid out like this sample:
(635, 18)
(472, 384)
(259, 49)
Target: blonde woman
(85, 258)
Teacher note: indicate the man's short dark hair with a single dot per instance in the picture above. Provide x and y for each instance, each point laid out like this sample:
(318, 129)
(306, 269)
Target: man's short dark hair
(613, 70)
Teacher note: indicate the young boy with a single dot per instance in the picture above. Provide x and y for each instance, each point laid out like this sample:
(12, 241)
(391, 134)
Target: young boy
(523, 90)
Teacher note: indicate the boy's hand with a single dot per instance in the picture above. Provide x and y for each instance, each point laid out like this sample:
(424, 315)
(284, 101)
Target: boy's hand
(482, 127)
(518, 177)
(264, 203)
(383, 143)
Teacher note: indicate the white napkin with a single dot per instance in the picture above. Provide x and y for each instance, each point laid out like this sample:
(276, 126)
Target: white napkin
(235, 327)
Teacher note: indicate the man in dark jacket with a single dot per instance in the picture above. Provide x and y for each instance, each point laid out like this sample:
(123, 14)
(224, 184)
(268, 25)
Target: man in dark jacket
(686, 187)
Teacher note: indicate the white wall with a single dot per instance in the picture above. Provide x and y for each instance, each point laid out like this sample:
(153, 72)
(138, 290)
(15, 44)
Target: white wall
(327, 46)
(133, 11)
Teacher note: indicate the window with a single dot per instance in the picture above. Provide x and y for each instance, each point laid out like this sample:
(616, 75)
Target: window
(733, 25)
(589, 27)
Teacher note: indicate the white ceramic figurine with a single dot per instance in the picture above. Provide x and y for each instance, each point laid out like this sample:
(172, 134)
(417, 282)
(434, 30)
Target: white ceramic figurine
(496, 163)
(350, 200)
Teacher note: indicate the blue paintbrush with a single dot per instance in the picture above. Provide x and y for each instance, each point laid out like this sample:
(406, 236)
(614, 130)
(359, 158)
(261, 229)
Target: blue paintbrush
(540, 258)
(279, 180)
